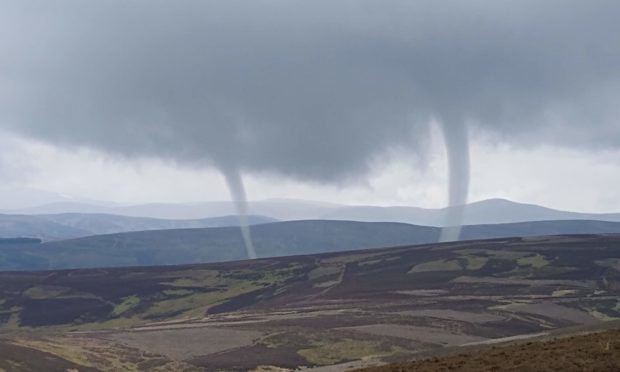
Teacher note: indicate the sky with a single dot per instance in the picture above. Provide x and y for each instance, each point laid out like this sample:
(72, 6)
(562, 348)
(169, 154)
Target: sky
(361, 102)
(561, 178)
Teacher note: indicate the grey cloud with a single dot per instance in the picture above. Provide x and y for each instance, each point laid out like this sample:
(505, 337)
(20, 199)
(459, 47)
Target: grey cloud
(14, 167)
(309, 89)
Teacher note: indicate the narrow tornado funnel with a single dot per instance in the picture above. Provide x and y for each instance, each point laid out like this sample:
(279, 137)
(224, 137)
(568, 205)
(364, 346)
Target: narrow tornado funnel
(237, 192)
(457, 149)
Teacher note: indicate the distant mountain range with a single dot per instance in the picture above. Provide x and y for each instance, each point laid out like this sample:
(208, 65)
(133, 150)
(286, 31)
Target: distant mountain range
(483, 212)
(189, 246)
(489, 211)
(75, 225)
(14, 198)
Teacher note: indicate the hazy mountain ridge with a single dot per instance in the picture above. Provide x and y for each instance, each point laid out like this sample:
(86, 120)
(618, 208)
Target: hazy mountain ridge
(489, 211)
(13, 226)
(482, 212)
(74, 225)
(190, 246)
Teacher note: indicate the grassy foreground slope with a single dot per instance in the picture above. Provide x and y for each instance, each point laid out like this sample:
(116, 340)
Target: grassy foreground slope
(591, 352)
(188, 246)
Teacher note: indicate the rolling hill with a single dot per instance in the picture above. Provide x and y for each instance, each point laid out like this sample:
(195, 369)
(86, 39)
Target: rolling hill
(188, 246)
(36, 227)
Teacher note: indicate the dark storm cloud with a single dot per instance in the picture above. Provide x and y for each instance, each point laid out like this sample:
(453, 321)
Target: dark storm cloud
(309, 89)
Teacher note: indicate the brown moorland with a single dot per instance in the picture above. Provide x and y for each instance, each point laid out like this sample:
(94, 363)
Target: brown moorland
(336, 311)
(591, 352)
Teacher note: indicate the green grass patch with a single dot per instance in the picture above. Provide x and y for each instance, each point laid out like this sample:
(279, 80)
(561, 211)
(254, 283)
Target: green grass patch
(197, 279)
(177, 292)
(127, 304)
(537, 261)
(339, 351)
(324, 271)
(563, 292)
(326, 284)
(197, 304)
(350, 258)
(613, 263)
(44, 292)
(438, 265)
(101, 355)
(13, 322)
(600, 315)
(473, 262)
(116, 323)
(498, 254)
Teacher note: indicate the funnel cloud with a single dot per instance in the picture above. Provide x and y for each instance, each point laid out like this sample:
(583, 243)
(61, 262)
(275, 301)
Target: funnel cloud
(237, 192)
(457, 150)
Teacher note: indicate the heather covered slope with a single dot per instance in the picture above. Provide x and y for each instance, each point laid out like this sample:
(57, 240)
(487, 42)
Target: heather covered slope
(378, 305)
(599, 351)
